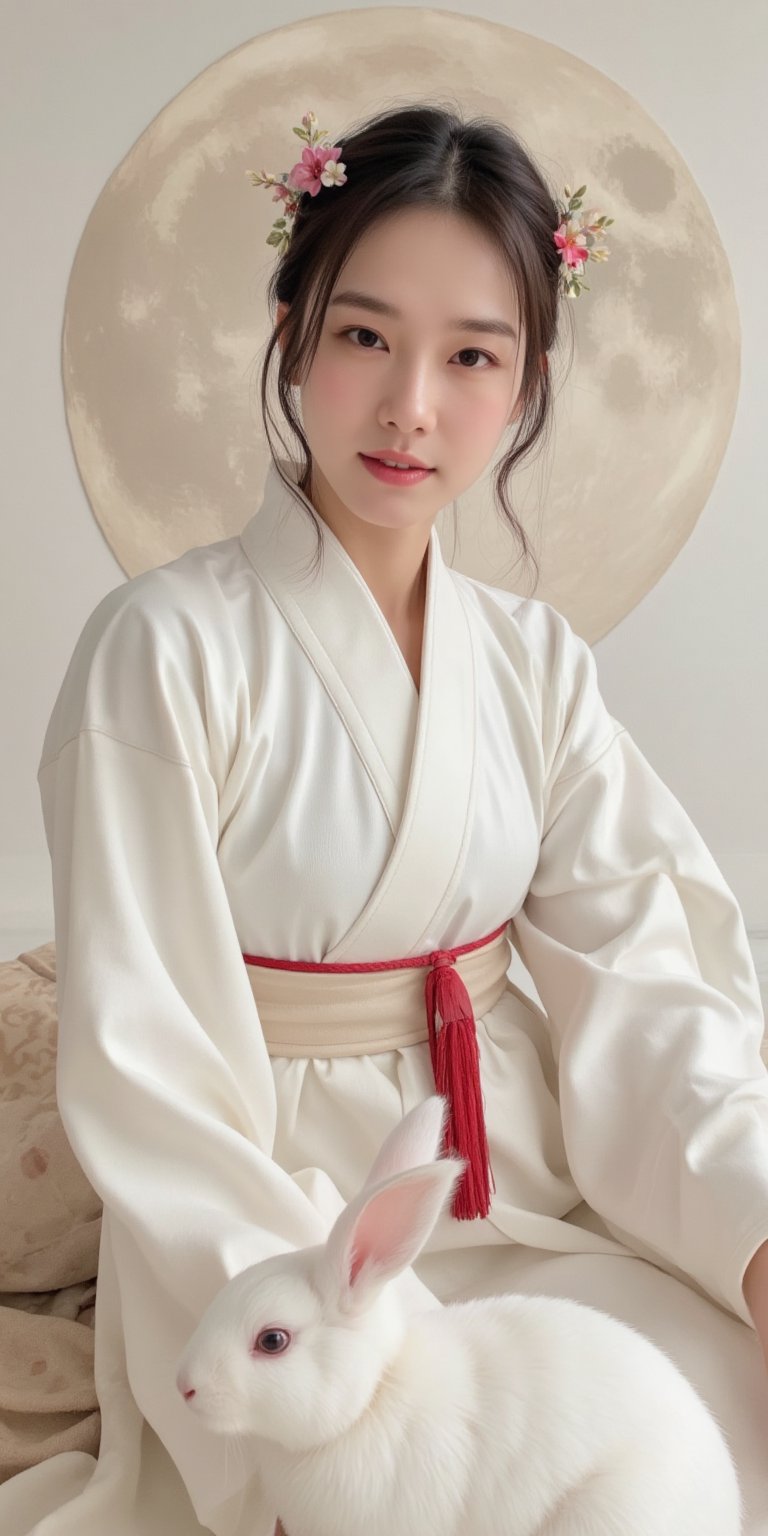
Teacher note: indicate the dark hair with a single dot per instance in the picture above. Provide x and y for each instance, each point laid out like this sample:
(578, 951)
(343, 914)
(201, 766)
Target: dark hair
(424, 156)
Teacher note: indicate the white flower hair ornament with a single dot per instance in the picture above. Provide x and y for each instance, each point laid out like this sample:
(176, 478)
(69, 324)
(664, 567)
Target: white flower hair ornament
(320, 166)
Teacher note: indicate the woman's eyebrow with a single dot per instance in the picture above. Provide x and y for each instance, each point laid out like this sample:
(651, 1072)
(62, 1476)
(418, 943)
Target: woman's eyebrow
(380, 307)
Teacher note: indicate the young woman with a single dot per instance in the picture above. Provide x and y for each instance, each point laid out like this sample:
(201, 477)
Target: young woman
(256, 755)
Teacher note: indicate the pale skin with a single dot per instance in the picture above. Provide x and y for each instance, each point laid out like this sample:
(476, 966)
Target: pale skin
(419, 384)
(755, 1288)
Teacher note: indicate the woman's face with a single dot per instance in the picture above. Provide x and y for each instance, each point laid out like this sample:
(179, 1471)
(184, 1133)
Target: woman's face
(415, 382)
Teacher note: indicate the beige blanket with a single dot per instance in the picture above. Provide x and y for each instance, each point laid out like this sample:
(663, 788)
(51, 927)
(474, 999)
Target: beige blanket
(49, 1237)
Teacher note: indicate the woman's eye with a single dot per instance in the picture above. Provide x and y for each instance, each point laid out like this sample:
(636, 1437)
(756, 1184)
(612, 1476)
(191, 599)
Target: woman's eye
(363, 331)
(472, 351)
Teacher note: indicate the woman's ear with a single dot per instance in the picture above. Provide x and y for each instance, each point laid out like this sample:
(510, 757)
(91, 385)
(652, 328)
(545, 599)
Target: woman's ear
(282, 310)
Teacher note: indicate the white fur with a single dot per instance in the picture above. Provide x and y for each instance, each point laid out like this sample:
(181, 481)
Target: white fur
(503, 1416)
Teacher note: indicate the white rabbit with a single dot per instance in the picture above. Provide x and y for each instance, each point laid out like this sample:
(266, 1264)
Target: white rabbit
(500, 1416)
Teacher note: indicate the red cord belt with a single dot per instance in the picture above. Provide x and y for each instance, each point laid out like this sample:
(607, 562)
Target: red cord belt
(455, 1058)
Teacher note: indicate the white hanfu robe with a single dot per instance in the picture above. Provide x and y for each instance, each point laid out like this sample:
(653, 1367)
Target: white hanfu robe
(239, 761)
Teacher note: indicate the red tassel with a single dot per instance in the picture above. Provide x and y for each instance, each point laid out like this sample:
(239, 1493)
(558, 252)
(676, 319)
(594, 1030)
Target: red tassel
(456, 1065)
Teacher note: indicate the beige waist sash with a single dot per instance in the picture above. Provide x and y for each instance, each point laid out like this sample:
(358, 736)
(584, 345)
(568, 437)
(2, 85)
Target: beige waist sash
(332, 1013)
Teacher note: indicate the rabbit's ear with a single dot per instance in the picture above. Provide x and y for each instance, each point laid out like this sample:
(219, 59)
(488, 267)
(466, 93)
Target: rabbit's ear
(384, 1228)
(415, 1140)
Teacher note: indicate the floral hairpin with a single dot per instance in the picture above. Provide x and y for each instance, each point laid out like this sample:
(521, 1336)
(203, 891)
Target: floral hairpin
(320, 166)
(575, 239)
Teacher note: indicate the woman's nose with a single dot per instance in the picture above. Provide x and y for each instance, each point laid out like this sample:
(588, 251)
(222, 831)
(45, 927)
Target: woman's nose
(410, 403)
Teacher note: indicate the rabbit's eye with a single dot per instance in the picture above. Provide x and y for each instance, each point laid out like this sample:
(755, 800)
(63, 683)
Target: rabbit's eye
(272, 1341)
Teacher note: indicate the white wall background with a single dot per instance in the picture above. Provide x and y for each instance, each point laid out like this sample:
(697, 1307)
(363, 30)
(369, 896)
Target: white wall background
(685, 671)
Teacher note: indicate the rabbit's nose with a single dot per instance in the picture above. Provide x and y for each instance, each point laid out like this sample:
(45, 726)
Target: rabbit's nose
(186, 1391)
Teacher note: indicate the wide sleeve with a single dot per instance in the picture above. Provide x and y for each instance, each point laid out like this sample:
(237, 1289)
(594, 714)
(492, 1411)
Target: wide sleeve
(639, 953)
(163, 1078)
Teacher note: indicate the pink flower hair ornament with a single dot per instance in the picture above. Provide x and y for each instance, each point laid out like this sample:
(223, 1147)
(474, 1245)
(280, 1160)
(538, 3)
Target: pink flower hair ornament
(575, 239)
(320, 166)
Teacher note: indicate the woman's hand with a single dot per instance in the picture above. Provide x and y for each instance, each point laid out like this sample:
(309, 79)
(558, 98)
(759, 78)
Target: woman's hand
(755, 1288)
(279, 1529)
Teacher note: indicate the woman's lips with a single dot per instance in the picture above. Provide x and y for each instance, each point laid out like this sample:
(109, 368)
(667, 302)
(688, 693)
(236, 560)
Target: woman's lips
(402, 477)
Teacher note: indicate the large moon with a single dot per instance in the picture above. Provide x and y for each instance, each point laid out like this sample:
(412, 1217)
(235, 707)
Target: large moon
(166, 322)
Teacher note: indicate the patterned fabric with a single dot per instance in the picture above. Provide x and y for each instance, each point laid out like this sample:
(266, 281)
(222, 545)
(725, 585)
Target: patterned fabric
(49, 1237)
